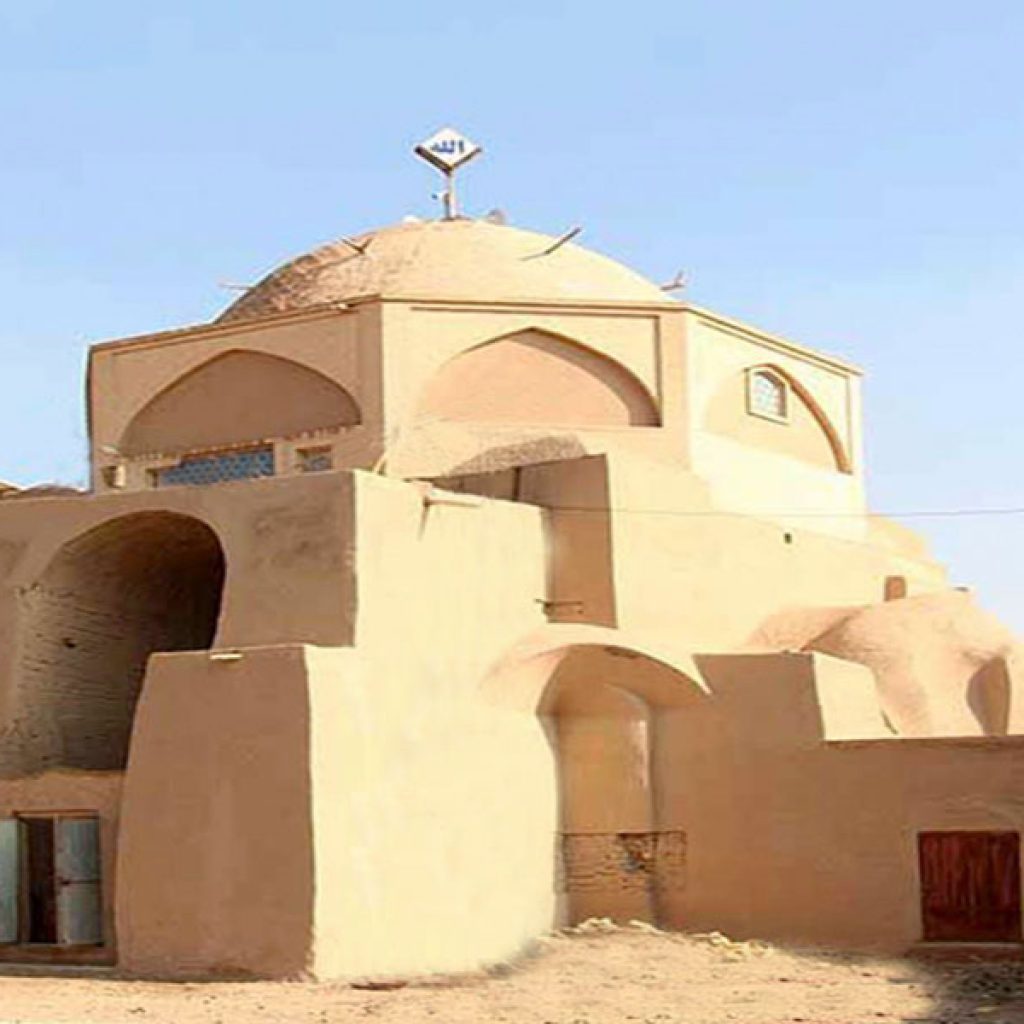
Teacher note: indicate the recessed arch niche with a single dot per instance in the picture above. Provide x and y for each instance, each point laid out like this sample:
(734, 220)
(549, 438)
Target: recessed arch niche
(534, 377)
(135, 585)
(238, 396)
(597, 699)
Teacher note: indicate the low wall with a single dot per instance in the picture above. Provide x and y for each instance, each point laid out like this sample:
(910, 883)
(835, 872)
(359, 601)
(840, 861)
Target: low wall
(792, 835)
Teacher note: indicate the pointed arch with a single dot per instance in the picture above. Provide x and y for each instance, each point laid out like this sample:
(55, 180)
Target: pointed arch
(810, 435)
(537, 377)
(240, 395)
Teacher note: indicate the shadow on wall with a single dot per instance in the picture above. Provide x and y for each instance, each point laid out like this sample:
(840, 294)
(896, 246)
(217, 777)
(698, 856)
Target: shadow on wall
(525, 453)
(137, 584)
(989, 694)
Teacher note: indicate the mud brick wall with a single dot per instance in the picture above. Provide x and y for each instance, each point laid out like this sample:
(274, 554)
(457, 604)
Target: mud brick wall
(149, 583)
(622, 862)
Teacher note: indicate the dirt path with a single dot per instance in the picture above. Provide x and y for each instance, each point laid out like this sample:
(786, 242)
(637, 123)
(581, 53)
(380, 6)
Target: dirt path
(622, 977)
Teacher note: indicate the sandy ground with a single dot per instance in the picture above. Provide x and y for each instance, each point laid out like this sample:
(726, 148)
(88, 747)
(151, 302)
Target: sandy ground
(593, 978)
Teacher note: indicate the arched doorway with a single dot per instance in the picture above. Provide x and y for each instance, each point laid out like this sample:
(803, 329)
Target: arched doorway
(617, 853)
(137, 584)
(601, 734)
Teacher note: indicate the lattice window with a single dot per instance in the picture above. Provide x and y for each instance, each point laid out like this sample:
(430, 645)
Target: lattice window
(767, 395)
(217, 468)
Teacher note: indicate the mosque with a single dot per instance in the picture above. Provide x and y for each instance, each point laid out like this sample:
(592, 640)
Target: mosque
(457, 583)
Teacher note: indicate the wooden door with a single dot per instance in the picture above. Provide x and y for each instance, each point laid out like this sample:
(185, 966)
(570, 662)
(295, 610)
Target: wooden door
(970, 886)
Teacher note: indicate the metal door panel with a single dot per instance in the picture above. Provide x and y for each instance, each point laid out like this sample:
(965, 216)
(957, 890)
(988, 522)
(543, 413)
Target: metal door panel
(80, 911)
(10, 856)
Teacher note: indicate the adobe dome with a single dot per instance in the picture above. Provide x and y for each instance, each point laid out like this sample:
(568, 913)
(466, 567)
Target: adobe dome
(941, 663)
(454, 259)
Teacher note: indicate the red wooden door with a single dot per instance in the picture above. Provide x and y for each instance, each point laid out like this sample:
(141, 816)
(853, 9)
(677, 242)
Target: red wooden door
(970, 886)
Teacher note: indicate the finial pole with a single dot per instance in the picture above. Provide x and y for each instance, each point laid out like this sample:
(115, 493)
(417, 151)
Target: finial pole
(448, 150)
(451, 203)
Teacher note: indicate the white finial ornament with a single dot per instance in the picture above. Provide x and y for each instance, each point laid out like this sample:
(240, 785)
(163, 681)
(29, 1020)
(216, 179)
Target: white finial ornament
(448, 150)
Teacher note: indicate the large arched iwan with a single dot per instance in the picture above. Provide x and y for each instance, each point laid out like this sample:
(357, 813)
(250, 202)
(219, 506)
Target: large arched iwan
(237, 397)
(537, 378)
(135, 585)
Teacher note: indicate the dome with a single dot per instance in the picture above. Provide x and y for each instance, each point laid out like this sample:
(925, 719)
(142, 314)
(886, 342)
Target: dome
(453, 259)
(939, 661)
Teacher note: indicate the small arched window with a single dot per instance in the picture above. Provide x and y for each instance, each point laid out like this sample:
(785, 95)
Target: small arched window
(767, 395)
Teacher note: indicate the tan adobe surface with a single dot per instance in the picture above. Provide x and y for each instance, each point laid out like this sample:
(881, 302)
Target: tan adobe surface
(465, 259)
(395, 632)
(943, 665)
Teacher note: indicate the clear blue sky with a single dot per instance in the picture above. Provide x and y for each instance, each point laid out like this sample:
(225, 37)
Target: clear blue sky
(849, 175)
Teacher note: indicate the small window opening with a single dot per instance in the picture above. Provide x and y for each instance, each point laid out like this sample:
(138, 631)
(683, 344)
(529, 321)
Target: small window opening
(114, 476)
(767, 395)
(315, 460)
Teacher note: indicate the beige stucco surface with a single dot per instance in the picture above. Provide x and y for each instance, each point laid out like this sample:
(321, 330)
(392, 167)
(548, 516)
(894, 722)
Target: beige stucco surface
(799, 831)
(551, 627)
(66, 621)
(215, 855)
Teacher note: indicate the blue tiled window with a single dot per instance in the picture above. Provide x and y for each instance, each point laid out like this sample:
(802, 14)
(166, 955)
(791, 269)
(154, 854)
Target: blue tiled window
(215, 469)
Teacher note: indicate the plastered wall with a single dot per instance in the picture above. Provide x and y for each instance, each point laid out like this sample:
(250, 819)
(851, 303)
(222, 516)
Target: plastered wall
(341, 345)
(421, 338)
(641, 546)
(536, 378)
(216, 852)
(239, 396)
(798, 830)
(801, 435)
(764, 468)
(429, 800)
(448, 837)
(374, 789)
(431, 383)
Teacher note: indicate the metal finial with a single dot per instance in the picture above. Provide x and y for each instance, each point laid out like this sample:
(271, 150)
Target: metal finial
(448, 150)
